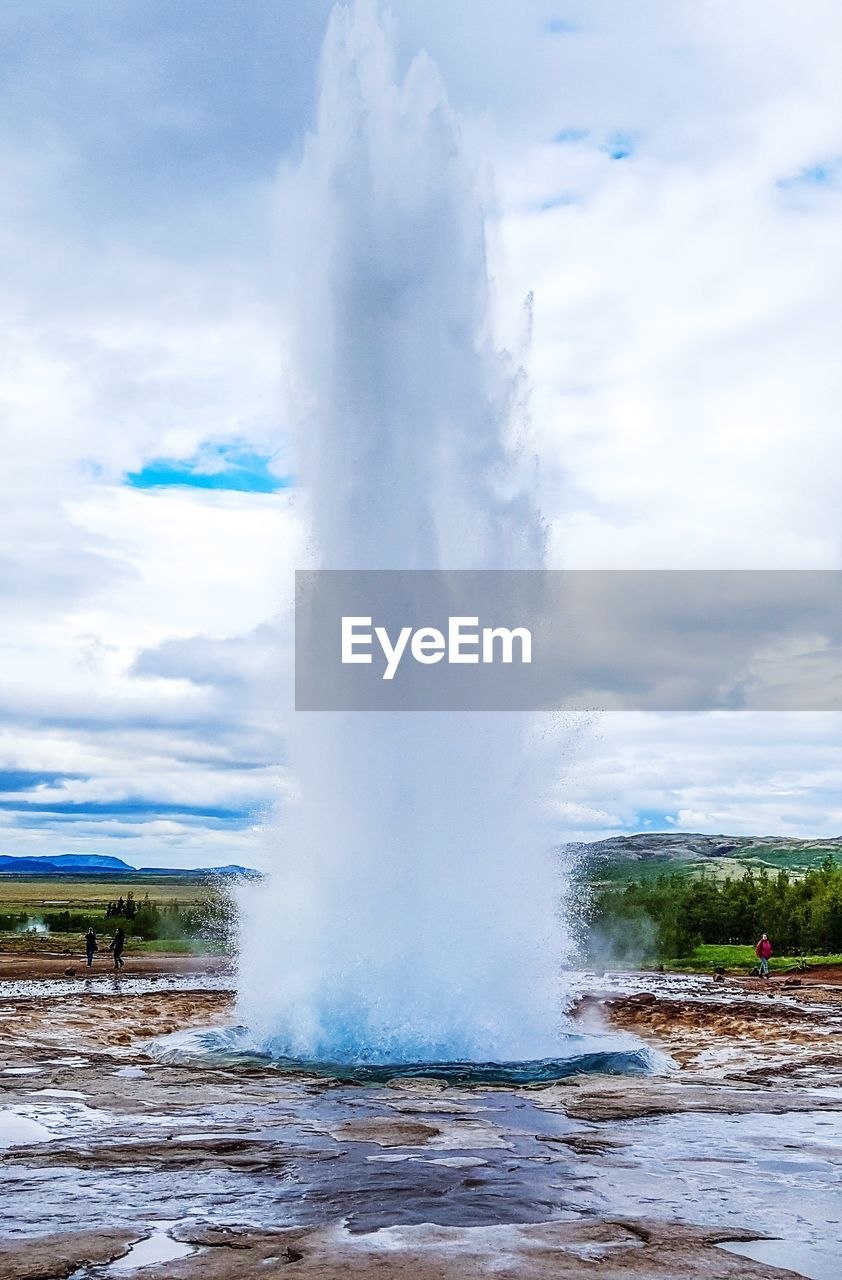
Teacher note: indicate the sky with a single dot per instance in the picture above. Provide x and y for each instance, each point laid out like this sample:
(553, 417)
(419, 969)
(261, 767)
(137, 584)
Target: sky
(664, 178)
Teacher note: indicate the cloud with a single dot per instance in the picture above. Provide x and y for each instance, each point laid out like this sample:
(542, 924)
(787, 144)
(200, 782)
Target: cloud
(683, 307)
(159, 694)
(664, 182)
(733, 773)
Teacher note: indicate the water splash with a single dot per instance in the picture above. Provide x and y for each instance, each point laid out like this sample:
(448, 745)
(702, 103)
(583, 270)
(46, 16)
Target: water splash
(414, 912)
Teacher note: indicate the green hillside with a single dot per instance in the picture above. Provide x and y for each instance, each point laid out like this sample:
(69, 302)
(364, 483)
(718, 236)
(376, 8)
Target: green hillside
(645, 856)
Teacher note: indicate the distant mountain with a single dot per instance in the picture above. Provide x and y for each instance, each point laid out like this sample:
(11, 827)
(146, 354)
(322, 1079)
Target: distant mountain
(62, 862)
(100, 864)
(651, 852)
(88, 861)
(27, 866)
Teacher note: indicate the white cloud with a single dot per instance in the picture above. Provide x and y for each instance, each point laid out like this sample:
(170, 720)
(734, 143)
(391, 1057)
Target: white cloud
(733, 773)
(686, 381)
(686, 390)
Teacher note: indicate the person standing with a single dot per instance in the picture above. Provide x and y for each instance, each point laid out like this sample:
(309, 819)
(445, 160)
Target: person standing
(90, 947)
(116, 946)
(763, 950)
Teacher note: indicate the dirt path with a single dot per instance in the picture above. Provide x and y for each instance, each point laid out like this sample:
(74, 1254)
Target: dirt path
(23, 965)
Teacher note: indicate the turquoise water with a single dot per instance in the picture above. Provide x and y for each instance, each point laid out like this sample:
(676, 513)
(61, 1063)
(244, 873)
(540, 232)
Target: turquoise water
(237, 1046)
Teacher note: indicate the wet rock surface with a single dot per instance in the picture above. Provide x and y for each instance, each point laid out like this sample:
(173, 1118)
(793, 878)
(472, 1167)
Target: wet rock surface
(259, 1173)
(56, 1256)
(562, 1251)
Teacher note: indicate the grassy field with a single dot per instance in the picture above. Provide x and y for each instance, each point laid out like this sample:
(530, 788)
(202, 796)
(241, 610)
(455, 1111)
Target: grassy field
(26, 893)
(29, 900)
(178, 946)
(708, 957)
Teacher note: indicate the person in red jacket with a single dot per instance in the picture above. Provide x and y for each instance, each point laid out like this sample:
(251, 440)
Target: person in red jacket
(763, 950)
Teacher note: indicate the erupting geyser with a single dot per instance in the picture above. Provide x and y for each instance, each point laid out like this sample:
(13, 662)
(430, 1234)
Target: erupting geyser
(414, 913)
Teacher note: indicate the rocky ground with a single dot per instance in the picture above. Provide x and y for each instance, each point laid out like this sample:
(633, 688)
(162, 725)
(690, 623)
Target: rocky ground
(114, 1159)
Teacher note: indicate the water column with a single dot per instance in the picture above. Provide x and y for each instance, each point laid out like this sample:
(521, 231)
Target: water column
(414, 908)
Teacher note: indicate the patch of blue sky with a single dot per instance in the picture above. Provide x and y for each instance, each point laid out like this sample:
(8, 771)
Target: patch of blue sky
(560, 201)
(29, 779)
(145, 809)
(825, 173)
(619, 146)
(234, 466)
(652, 820)
(560, 27)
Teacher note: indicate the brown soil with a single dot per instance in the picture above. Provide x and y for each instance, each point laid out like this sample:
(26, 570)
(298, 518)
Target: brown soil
(782, 979)
(762, 1039)
(92, 1021)
(830, 973)
(17, 965)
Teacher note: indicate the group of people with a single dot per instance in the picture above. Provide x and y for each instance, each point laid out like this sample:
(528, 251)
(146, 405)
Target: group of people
(115, 946)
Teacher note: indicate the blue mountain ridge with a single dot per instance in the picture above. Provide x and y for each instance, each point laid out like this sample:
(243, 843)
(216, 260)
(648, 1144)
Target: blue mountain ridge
(95, 863)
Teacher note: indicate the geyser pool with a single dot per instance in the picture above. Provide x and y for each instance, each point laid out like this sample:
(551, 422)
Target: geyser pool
(236, 1046)
(415, 911)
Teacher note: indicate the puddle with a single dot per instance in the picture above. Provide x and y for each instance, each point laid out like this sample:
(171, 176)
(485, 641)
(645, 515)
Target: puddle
(20, 1131)
(59, 1115)
(802, 1260)
(58, 1093)
(458, 1162)
(450, 1162)
(151, 1251)
(154, 1250)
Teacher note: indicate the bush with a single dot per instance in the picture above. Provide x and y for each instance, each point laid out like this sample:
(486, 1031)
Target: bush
(799, 915)
(9, 923)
